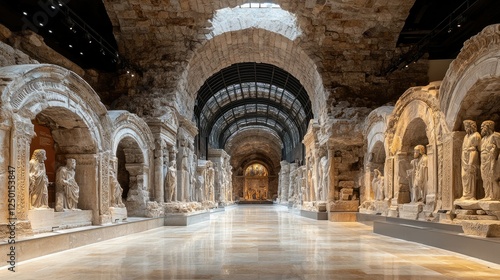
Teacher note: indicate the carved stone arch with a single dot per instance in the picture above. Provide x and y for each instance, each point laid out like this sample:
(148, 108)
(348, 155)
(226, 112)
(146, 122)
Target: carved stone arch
(375, 129)
(376, 148)
(133, 145)
(257, 45)
(64, 101)
(471, 87)
(33, 88)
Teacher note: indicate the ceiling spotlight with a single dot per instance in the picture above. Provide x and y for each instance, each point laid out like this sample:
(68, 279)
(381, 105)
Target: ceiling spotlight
(406, 66)
(41, 23)
(59, 3)
(81, 53)
(50, 31)
(70, 45)
(25, 13)
(459, 25)
(89, 38)
(102, 51)
(132, 75)
(70, 22)
(128, 72)
(449, 30)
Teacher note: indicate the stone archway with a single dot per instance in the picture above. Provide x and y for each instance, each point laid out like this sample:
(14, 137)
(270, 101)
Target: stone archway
(252, 45)
(53, 93)
(471, 87)
(132, 146)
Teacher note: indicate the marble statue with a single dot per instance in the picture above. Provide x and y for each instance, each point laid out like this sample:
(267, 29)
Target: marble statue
(470, 160)
(39, 196)
(170, 182)
(490, 146)
(185, 181)
(324, 177)
(116, 190)
(65, 181)
(378, 185)
(210, 181)
(418, 174)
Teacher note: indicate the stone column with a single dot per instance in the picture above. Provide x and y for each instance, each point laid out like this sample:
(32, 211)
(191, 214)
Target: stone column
(5, 162)
(331, 175)
(284, 180)
(159, 170)
(430, 196)
(292, 180)
(452, 181)
(21, 133)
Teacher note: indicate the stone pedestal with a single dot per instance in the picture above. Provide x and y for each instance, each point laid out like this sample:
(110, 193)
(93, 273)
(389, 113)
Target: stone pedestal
(482, 228)
(343, 210)
(476, 210)
(43, 220)
(382, 207)
(343, 206)
(342, 216)
(411, 210)
(118, 214)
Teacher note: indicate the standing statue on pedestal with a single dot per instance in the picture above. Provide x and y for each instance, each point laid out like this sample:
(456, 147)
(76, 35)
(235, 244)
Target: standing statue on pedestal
(324, 164)
(185, 180)
(65, 182)
(39, 195)
(170, 182)
(470, 160)
(378, 185)
(116, 190)
(210, 181)
(490, 146)
(418, 174)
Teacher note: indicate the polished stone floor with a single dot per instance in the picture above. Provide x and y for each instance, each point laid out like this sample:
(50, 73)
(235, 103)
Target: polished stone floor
(255, 242)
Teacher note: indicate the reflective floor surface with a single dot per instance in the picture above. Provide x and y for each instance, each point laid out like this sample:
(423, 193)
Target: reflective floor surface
(255, 242)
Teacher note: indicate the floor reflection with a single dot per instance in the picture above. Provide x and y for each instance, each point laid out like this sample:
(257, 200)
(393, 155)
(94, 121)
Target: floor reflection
(255, 242)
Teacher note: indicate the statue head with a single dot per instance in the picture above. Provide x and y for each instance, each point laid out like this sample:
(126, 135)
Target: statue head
(39, 155)
(470, 126)
(418, 151)
(71, 163)
(487, 127)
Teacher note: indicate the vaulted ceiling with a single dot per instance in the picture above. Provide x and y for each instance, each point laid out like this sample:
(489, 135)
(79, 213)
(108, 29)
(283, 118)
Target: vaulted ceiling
(356, 48)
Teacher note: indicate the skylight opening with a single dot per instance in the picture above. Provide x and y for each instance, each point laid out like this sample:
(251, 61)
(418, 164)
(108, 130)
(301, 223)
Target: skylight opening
(259, 5)
(268, 16)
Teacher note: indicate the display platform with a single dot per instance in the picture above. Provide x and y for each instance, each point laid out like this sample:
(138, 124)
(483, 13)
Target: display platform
(59, 240)
(445, 236)
(186, 219)
(314, 215)
(255, 202)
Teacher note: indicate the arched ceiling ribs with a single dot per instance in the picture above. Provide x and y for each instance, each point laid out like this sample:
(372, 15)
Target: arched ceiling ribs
(253, 93)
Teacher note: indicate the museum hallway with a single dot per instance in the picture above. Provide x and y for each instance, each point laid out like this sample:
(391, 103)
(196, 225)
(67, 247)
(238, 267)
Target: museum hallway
(255, 242)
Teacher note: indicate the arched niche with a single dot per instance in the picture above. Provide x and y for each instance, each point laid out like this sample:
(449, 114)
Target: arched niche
(376, 149)
(64, 135)
(63, 99)
(471, 87)
(132, 145)
(256, 185)
(416, 120)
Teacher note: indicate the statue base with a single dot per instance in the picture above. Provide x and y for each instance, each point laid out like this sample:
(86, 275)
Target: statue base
(118, 214)
(411, 211)
(44, 220)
